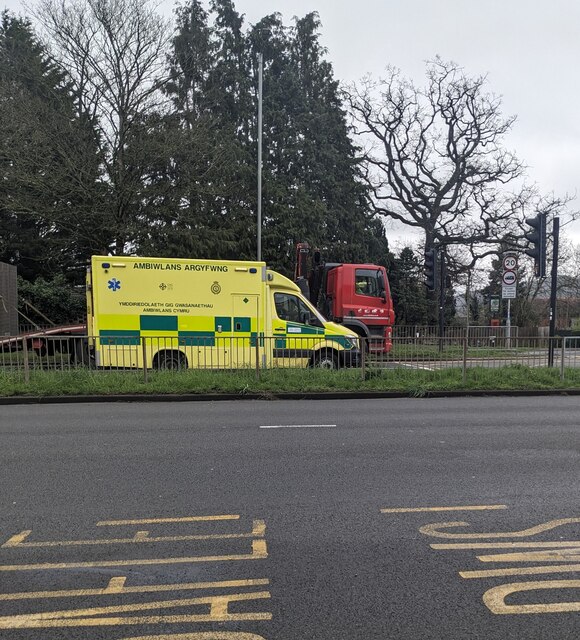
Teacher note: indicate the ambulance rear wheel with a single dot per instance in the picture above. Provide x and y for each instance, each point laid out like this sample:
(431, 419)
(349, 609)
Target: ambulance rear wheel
(170, 360)
(326, 359)
(79, 353)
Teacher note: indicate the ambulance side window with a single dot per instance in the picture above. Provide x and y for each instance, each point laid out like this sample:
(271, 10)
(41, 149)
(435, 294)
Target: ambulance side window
(291, 309)
(286, 307)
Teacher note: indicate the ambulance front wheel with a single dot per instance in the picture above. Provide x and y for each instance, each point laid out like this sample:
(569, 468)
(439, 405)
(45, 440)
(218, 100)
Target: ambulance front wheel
(171, 360)
(326, 359)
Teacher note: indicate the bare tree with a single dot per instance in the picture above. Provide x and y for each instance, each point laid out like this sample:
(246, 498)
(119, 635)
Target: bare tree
(114, 51)
(434, 157)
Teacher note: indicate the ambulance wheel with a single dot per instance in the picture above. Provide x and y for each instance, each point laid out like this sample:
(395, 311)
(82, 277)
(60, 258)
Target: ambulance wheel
(170, 360)
(326, 359)
(79, 353)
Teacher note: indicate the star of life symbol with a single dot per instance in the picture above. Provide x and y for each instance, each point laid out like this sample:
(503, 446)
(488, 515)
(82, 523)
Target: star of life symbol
(114, 284)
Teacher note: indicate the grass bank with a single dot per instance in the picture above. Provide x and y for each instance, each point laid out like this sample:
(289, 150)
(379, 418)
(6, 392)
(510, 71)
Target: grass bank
(412, 382)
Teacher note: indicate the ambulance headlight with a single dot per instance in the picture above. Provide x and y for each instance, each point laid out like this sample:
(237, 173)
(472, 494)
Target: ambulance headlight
(353, 341)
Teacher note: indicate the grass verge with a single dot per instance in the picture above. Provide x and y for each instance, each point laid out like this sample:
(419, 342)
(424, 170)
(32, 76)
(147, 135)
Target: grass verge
(412, 382)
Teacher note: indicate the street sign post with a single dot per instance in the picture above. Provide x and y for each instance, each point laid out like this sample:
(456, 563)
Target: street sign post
(509, 286)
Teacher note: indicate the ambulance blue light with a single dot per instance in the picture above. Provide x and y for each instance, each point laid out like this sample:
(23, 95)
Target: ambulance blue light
(106, 265)
(253, 270)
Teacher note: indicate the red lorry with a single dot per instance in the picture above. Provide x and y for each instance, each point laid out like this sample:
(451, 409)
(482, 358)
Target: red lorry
(355, 295)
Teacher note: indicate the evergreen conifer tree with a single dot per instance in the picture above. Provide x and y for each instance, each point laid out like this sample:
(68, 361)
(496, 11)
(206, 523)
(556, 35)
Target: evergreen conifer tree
(48, 165)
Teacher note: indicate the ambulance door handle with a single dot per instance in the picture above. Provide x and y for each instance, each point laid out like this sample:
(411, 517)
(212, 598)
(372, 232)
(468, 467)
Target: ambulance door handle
(283, 329)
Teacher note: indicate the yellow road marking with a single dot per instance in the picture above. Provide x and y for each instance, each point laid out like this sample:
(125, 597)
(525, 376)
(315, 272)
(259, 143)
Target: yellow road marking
(115, 523)
(259, 551)
(117, 585)
(85, 617)
(481, 507)
(556, 555)
(495, 598)
(506, 545)
(432, 530)
(258, 530)
(203, 635)
(17, 539)
(521, 571)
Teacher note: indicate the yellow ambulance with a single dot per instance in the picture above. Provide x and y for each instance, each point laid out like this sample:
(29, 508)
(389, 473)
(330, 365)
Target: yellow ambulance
(172, 313)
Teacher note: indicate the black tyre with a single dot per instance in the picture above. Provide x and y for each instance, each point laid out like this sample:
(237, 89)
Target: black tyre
(326, 359)
(79, 353)
(170, 361)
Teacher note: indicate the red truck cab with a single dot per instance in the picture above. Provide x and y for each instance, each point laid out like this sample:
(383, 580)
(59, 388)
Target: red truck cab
(358, 296)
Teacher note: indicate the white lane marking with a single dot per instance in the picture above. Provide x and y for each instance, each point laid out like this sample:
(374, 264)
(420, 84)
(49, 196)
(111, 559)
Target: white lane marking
(407, 365)
(295, 426)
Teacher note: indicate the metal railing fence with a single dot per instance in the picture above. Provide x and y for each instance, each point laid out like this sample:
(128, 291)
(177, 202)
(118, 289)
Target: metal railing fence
(216, 353)
(478, 336)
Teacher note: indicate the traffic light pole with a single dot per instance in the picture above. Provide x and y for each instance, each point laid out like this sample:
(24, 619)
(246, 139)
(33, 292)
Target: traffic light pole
(555, 237)
(442, 280)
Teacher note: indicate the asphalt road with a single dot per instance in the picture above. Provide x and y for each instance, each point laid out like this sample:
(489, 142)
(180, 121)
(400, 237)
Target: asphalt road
(189, 521)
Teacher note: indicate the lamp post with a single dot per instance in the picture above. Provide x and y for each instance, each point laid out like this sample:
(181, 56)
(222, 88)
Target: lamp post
(259, 222)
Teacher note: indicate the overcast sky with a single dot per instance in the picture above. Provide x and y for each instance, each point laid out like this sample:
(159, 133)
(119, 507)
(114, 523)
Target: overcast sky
(530, 50)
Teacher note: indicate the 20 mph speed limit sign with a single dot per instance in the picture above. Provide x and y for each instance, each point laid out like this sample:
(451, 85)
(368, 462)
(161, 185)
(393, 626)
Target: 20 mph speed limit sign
(510, 263)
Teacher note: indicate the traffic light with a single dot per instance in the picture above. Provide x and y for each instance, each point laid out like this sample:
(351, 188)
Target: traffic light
(431, 269)
(537, 239)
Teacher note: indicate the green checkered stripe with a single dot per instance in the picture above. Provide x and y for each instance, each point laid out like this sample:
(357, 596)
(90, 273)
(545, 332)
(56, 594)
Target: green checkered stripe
(280, 343)
(224, 327)
(309, 332)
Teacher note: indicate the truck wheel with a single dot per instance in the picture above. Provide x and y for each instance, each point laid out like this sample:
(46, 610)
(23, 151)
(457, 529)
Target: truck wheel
(170, 360)
(326, 359)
